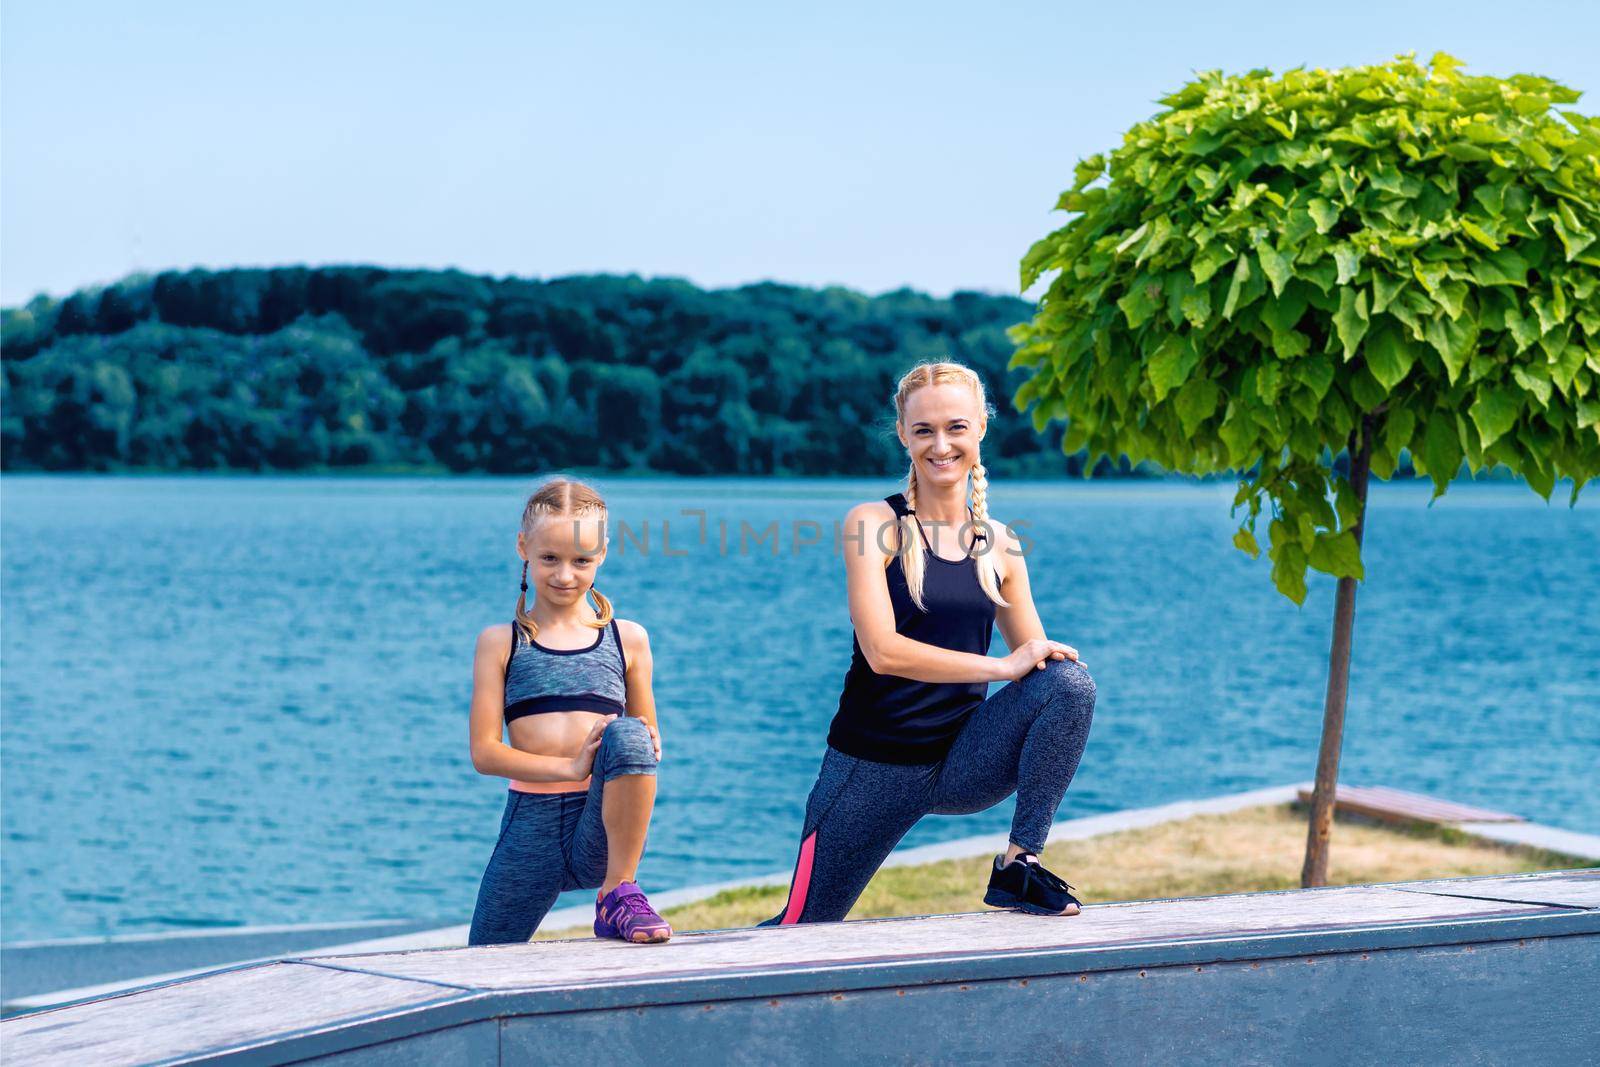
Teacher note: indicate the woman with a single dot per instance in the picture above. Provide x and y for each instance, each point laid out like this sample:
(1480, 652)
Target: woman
(928, 577)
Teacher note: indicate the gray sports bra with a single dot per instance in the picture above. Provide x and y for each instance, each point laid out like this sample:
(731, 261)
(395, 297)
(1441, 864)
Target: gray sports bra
(540, 679)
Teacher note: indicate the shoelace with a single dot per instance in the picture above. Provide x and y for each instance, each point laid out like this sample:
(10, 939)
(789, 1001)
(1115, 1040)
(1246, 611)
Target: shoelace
(635, 904)
(1043, 874)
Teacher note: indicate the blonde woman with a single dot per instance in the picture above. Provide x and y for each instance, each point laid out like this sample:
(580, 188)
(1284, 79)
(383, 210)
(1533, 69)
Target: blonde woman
(928, 578)
(570, 686)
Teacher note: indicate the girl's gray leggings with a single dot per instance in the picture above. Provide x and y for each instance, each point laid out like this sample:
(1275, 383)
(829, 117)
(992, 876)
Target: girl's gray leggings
(551, 842)
(1026, 739)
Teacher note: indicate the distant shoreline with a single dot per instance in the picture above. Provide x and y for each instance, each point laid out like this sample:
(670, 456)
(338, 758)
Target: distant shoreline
(1498, 475)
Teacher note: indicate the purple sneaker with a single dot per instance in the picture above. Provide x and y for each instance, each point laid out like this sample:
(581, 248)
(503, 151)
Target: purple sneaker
(624, 913)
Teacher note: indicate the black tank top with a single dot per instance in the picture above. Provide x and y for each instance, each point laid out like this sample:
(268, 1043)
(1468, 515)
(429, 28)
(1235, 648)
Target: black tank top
(889, 719)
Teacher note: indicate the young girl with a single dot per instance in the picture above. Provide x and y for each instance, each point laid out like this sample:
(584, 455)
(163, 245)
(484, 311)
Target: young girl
(570, 684)
(915, 733)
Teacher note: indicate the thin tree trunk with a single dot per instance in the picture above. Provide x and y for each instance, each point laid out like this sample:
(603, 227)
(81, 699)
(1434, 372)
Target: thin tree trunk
(1315, 870)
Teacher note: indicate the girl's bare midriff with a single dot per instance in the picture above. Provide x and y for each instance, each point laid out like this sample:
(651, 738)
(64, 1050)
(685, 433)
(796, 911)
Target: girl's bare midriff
(552, 733)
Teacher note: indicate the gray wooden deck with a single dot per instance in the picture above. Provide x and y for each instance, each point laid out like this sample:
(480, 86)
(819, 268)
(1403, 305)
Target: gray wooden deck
(1367, 973)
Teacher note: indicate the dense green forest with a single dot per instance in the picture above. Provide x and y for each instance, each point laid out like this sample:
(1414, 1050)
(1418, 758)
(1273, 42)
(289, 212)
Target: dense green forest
(300, 368)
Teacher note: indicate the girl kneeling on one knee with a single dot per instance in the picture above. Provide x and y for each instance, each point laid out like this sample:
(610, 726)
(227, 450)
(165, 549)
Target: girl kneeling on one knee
(569, 683)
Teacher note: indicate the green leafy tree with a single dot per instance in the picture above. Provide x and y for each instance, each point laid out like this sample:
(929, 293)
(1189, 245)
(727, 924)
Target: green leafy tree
(1276, 270)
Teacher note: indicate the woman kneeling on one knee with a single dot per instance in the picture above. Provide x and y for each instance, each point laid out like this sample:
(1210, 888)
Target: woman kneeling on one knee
(928, 577)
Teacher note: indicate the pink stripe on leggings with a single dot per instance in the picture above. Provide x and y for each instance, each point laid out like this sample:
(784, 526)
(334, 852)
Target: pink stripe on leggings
(802, 882)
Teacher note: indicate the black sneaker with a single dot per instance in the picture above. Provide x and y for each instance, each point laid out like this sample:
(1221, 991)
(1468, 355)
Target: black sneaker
(1025, 884)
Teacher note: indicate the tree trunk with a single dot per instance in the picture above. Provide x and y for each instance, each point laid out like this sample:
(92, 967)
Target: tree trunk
(1315, 870)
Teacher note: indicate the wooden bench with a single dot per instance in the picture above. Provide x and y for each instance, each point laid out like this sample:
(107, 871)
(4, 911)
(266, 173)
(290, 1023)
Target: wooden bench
(1399, 806)
(1481, 969)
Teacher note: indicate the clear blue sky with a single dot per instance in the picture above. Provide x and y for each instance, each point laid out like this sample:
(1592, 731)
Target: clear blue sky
(870, 145)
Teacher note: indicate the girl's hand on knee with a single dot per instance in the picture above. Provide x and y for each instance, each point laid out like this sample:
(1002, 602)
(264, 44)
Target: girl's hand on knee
(583, 762)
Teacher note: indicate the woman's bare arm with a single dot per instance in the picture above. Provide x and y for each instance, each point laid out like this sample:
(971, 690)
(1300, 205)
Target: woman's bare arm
(1018, 620)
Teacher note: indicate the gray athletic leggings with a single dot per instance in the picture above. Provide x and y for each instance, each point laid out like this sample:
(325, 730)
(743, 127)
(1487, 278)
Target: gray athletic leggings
(551, 842)
(1027, 739)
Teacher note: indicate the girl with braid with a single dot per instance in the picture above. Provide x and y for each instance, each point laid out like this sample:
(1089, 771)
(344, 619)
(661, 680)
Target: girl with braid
(569, 685)
(928, 577)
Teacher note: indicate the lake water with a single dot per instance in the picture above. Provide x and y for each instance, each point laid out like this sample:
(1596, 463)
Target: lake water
(243, 700)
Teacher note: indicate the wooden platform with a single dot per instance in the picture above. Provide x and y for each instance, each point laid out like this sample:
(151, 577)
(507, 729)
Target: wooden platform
(1395, 972)
(1397, 805)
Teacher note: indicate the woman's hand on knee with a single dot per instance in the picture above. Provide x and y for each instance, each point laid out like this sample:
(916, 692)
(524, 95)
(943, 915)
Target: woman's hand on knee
(1036, 654)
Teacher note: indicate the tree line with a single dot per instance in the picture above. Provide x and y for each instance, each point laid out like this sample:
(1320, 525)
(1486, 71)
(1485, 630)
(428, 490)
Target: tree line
(303, 368)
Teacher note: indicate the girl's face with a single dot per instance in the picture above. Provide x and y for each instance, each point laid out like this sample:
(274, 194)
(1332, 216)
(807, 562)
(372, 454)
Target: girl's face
(563, 552)
(941, 428)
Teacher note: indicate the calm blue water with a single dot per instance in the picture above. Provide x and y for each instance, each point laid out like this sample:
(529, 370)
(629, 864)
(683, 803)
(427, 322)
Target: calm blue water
(243, 700)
